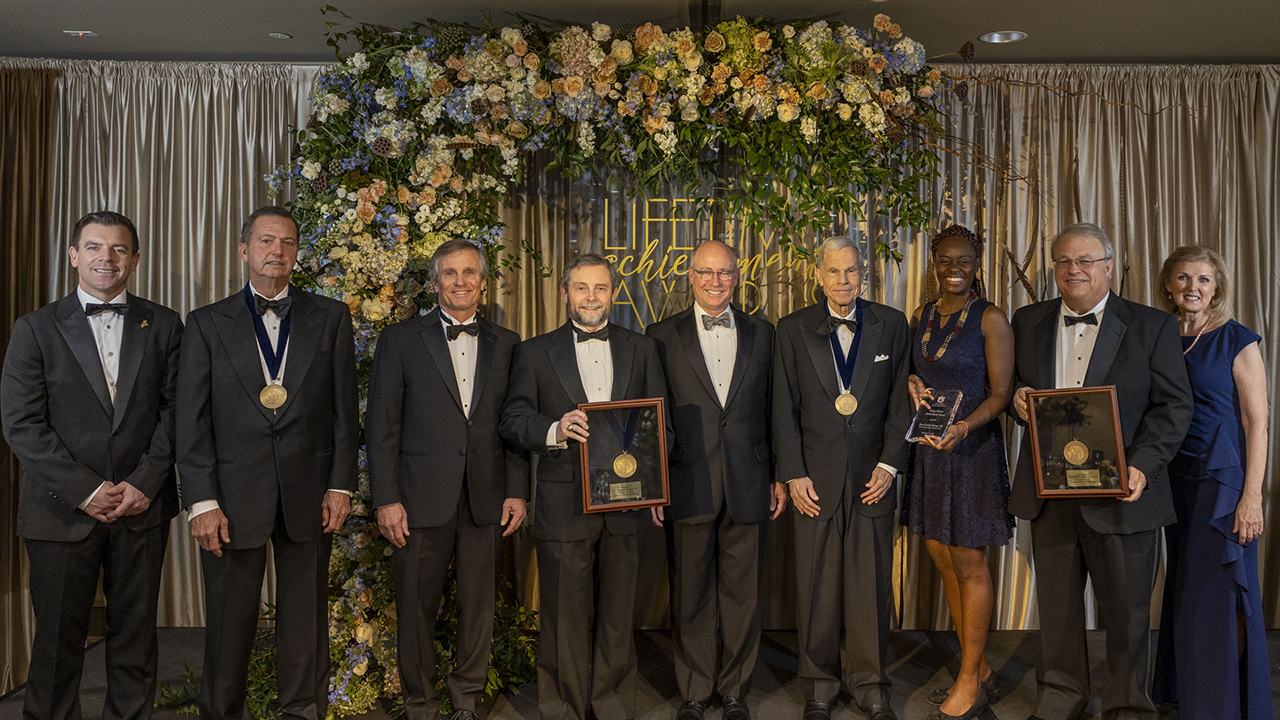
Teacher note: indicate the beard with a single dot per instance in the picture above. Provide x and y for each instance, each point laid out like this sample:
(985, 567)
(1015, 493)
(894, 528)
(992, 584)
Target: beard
(589, 315)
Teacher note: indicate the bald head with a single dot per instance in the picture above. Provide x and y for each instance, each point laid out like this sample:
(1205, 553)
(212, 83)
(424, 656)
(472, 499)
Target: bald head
(713, 276)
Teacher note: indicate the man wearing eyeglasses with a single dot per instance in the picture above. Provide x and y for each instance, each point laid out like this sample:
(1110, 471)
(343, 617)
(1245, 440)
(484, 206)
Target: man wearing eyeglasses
(1092, 337)
(717, 360)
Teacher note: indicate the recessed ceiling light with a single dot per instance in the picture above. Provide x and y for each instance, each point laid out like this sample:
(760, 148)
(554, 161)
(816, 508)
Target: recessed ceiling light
(877, 0)
(280, 36)
(1003, 36)
(80, 33)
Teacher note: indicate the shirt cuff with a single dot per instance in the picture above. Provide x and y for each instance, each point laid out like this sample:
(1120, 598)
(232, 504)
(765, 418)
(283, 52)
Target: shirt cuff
(348, 493)
(200, 508)
(551, 439)
(92, 495)
(888, 468)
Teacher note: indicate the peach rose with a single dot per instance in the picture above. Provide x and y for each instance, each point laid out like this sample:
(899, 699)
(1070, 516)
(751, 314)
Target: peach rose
(895, 31)
(365, 211)
(762, 42)
(760, 82)
(531, 61)
(441, 87)
(714, 42)
(607, 66)
(542, 89)
(720, 73)
(882, 22)
(495, 93)
(456, 185)
(877, 62)
(520, 48)
(685, 46)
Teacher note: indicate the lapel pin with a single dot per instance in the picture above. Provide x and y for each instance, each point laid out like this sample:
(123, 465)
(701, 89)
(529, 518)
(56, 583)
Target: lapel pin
(145, 323)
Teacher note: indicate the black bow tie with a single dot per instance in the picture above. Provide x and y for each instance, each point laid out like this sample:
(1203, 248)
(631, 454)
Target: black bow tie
(279, 307)
(454, 330)
(709, 322)
(834, 323)
(601, 334)
(92, 309)
(1089, 319)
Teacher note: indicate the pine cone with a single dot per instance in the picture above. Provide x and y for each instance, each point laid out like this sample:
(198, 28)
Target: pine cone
(382, 147)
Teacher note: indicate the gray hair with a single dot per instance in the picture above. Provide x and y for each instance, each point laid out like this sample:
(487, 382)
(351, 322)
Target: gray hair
(450, 247)
(590, 260)
(246, 229)
(836, 243)
(1088, 230)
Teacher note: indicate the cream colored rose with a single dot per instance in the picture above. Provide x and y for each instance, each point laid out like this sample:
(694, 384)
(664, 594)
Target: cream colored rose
(845, 111)
(622, 52)
(714, 42)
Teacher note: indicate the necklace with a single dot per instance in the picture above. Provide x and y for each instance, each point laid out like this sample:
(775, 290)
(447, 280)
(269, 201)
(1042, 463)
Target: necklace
(1193, 342)
(928, 329)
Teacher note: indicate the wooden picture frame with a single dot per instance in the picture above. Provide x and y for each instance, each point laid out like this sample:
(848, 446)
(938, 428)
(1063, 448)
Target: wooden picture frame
(1077, 446)
(624, 461)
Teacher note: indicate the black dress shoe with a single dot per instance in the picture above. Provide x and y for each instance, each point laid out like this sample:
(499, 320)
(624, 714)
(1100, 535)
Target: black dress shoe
(732, 708)
(879, 711)
(979, 706)
(817, 710)
(691, 710)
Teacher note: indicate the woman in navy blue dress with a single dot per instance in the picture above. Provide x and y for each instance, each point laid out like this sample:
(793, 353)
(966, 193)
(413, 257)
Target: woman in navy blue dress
(1212, 654)
(958, 484)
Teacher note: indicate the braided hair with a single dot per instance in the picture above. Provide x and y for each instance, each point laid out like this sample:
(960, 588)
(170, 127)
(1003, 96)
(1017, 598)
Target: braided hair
(961, 231)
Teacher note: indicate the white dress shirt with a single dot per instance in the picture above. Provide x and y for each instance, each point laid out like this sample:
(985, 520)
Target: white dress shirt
(462, 351)
(595, 369)
(719, 349)
(1075, 346)
(845, 336)
(108, 333)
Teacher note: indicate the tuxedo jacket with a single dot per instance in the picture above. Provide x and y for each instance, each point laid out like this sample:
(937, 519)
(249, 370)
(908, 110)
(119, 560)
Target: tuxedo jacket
(60, 421)
(1138, 350)
(250, 458)
(545, 385)
(422, 449)
(721, 454)
(809, 436)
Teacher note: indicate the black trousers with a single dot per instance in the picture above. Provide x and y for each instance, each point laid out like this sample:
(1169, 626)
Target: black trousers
(64, 581)
(715, 605)
(421, 568)
(844, 572)
(587, 650)
(1123, 568)
(232, 596)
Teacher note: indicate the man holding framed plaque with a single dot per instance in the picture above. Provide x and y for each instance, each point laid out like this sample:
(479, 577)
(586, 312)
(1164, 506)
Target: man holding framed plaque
(840, 414)
(1088, 338)
(582, 669)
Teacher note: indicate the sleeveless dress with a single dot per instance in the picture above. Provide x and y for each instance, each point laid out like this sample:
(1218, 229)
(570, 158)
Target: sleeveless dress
(1210, 577)
(958, 498)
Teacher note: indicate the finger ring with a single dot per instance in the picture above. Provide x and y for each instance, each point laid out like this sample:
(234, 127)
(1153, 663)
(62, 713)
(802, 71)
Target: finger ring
(570, 428)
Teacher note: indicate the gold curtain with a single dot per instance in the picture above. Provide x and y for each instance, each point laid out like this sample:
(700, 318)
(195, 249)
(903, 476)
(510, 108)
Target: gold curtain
(26, 138)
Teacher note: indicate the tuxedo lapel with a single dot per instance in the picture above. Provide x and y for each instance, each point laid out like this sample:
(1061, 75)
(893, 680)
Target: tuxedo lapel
(818, 340)
(75, 330)
(623, 353)
(305, 329)
(746, 343)
(565, 363)
(486, 343)
(1110, 333)
(868, 344)
(687, 329)
(1046, 347)
(235, 328)
(137, 329)
(433, 337)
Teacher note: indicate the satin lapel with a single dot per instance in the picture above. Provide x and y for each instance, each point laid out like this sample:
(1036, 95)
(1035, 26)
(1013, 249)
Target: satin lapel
(137, 328)
(623, 353)
(687, 329)
(565, 363)
(433, 337)
(305, 329)
(868, 345)
(235, 328)
(746, 343)
(1110, 333)
(74, 326)
(824, 363)
(1046, 335)
(486, 343)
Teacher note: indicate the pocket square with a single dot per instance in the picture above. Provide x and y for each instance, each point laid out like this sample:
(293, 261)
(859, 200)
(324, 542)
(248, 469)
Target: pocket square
(881, 357)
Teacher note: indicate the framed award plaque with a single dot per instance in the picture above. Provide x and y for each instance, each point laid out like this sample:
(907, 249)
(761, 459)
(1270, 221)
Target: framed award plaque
(624, 461)
(1076, 443)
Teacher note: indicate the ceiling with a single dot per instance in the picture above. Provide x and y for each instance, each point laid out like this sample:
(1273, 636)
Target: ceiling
(1146, 31)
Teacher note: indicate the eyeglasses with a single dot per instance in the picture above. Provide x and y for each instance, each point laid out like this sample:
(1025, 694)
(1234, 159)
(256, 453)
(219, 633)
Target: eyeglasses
(1085, 264)
(724, 275)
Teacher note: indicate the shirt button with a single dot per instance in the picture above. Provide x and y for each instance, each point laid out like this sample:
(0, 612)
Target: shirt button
(110, 354)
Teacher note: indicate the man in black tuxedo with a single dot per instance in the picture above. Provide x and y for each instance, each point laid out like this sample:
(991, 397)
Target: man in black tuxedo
(586, 563)
(840, 416)
(717, 360)
(442, 480)
(1089, 337)
(268, 433)
(87, 395)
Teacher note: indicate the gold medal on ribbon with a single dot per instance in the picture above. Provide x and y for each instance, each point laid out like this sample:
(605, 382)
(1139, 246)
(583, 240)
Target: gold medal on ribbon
(624, 465)
(273, 396)
(846, 403)
(1076, 452)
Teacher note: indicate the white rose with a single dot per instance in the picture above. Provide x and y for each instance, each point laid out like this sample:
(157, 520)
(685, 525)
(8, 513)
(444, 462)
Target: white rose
(845, 111)
(600, 32)
(511, 36)
(788, 32)
(359, 62)
(310, 170)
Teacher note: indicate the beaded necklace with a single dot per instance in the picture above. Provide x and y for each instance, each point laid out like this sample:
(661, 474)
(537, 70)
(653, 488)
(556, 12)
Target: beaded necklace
(928, 329)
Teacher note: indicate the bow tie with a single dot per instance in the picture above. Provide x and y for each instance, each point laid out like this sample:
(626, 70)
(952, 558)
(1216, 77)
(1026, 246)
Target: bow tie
(834, 323)
(92, 309)
(709, 322)
(1089, 319)
(454, 330)
(601, 334)
(279, 307)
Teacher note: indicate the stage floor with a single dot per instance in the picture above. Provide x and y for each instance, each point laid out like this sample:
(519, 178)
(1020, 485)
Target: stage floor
(918, 662)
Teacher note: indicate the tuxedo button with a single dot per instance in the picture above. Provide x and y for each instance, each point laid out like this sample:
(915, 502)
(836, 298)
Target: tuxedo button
(470, 423)
(279, 437)
(724, 423)
(462, 451)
